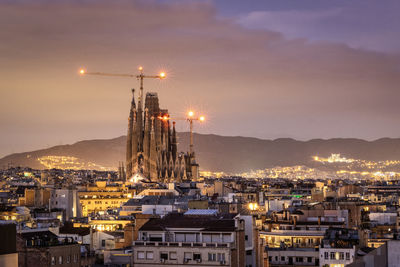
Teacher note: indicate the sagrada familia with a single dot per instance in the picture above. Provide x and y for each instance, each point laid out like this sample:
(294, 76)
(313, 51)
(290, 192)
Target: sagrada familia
(151, 149)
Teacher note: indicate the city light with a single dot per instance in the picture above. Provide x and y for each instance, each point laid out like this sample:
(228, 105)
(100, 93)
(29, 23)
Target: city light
(162, 75)
(140, 68)
(253, 206)
(202, 118)
(82, 71)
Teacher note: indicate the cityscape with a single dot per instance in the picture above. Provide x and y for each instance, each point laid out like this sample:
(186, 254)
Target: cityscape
(199, 133)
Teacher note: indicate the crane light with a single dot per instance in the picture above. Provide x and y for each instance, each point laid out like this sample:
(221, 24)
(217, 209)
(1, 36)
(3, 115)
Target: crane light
(162, 75)
(82, 71)
(190, 113)
(202, 118)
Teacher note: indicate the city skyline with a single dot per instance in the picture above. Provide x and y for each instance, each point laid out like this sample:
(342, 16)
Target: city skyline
(269, 70)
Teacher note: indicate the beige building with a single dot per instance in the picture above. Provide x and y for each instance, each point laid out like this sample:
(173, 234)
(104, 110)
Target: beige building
(190, 240)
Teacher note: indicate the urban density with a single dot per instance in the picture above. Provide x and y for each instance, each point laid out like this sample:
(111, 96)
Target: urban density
(269, 70)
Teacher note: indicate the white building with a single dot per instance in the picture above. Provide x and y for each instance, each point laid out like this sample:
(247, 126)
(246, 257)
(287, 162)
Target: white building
(68, 200)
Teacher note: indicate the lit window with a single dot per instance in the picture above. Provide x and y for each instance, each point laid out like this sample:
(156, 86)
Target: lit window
(60, 260)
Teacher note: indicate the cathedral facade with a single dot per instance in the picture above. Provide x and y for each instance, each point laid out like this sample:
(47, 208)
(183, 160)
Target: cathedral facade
(151, 149)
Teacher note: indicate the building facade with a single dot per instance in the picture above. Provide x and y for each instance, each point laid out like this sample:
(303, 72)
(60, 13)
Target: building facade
(190, 241)
(151, 150)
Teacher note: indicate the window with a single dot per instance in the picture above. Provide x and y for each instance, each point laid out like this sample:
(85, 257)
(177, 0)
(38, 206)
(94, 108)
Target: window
(75, 257)
(347, 255)
(326, 254)
(140, 255)
(187, 256)
(332, 255)
(53, 260)
(196, 256)
(309, 259)
(212, 257)
(248, 252)
(283, 258)
(103, 243)
(341, 255)
(149, 255)
(69, 259)
(221, 257)
(276, 258)
(246, 237)
(299, 259)
(310, 241)
(164, 255)
(172, 256)
(270, 258)
(60, 260)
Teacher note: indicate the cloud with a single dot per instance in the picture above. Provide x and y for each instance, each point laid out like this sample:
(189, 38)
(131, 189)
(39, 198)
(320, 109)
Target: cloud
(363, 24)
(247, 81)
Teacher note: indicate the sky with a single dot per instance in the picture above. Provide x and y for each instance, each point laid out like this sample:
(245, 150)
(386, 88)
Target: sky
(302, 69)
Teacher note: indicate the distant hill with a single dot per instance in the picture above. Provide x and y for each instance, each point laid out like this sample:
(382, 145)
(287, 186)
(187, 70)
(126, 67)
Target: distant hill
(223, 153)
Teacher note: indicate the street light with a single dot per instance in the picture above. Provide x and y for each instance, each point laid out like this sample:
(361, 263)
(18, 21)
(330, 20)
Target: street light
(190, 118)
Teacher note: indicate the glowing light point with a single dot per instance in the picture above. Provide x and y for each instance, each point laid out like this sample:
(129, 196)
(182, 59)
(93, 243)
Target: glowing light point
(190, 113)
(163, 75)
(202, 118)
(82, 71)
(140, 68)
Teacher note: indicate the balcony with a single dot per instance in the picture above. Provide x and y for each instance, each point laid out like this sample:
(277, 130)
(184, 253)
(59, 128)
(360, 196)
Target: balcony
(182, 244)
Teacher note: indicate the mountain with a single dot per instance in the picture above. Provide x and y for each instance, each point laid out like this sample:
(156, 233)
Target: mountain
(217, 153)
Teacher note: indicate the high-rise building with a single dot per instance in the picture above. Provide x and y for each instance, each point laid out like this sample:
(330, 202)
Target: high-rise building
(151, 150)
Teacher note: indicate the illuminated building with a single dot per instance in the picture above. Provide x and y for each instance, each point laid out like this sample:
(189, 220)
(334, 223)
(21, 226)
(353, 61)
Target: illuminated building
(98, 203)
(151, 145)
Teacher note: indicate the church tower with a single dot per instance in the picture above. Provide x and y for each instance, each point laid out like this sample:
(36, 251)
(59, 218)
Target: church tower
(151, 148)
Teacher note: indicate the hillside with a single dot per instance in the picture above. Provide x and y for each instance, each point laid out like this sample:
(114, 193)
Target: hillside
(223, 153)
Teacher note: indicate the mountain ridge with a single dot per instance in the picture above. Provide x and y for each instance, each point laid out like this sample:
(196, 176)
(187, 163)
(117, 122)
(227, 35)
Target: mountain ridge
(231, 154)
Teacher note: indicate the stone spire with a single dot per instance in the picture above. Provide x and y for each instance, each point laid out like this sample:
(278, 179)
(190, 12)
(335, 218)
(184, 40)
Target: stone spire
(153, 153)
(146, 143)
(173, 143)
(139, 125)
(129, 136)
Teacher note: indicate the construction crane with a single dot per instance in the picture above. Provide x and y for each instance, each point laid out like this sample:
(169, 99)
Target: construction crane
(190, 118)
(141, 76)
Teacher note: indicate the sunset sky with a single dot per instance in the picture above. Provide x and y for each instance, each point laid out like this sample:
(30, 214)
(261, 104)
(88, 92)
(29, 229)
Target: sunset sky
(286, 68)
